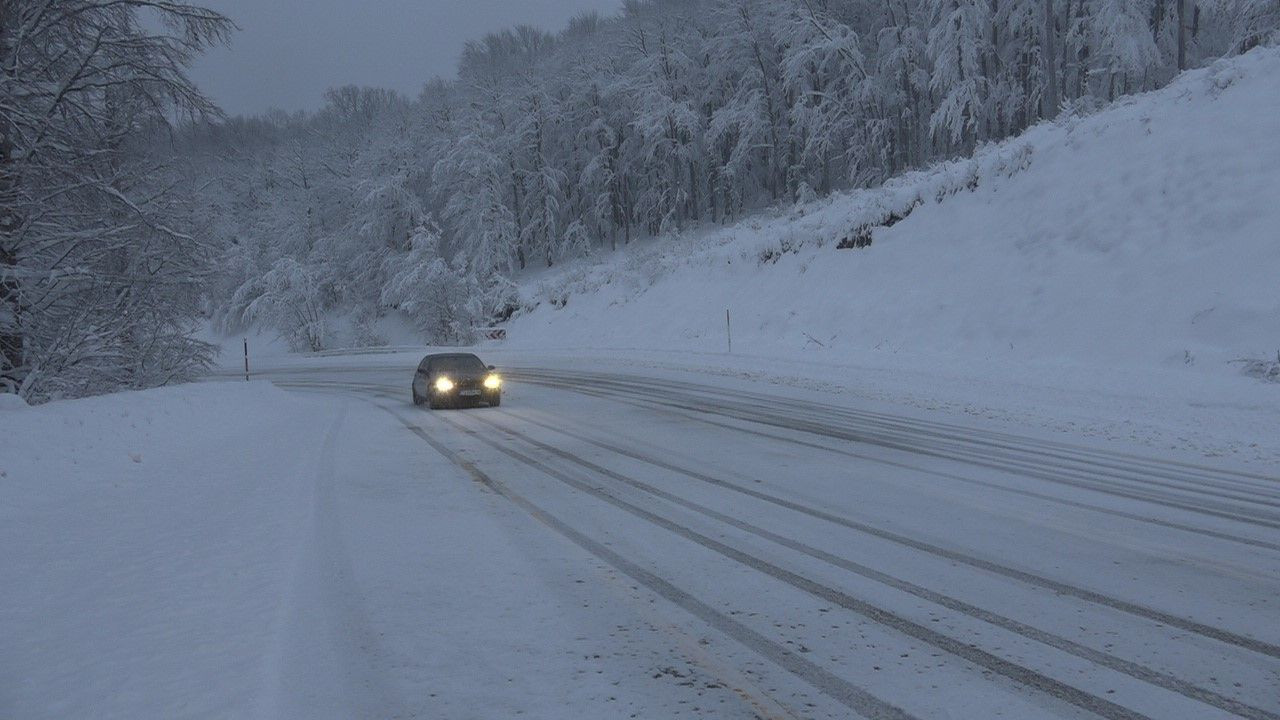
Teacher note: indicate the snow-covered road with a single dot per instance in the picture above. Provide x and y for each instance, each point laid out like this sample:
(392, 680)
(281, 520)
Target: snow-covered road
(649, 544)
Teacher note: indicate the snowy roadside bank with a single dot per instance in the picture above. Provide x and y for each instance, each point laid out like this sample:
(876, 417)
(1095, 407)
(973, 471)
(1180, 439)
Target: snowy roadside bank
(149, 539)
(1127, 238)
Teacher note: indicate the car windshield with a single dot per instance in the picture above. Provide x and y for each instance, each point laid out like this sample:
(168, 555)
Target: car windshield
(457, 364)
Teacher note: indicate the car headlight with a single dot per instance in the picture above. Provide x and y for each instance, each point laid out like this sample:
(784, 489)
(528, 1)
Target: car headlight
(444, 384)
(493, 382)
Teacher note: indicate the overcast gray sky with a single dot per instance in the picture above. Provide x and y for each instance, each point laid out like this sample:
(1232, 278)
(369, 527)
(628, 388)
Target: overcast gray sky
(289, 51)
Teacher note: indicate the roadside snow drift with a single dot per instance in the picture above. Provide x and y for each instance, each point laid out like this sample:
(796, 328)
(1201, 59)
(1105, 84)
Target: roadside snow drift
(1147, 234)
(148, 542)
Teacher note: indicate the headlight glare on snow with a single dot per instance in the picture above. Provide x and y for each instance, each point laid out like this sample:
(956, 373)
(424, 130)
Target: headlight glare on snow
(444, 384)
(493, 382)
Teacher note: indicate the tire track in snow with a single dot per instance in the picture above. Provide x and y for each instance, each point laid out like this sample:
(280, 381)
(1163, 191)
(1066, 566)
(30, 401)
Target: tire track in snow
(1196, 530)
(1051, 467)
(1111, 662)
(1219, 634)
(762, 704)
(848, 694)
(361, 655)
(678, 409)
(1187, 624)
(981, 658)
(321, 616)
(270, 702)
(683, 410)
(1137, 671)
(1267, 486)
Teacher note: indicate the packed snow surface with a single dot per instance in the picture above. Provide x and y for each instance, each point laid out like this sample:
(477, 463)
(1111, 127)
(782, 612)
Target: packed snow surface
(1146, 235)
(232, 550)
(147, 540)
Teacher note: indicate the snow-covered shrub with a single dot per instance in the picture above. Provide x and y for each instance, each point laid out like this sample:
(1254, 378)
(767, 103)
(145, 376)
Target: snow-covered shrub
(500, 299)
(805, 194)
(290, 298)
(441, 299)
(364, 329)
(575, 242)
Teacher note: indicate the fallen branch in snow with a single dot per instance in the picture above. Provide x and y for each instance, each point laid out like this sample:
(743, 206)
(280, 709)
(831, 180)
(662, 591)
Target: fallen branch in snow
(1267, 370)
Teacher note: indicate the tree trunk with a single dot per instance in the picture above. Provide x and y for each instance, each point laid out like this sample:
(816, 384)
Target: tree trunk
(518, 214)
(11, 341)
(695, 197)
(1182, 34)
(1051, 101)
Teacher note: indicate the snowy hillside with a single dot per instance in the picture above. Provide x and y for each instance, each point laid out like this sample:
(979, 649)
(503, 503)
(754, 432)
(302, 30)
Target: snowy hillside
(1145, 235)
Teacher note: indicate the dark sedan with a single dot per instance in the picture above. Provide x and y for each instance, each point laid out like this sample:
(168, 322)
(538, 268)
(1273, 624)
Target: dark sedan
(456, 380)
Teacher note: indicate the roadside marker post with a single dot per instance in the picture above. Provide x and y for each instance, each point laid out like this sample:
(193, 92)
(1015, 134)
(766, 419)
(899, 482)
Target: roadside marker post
(246, 359)
(728, 330)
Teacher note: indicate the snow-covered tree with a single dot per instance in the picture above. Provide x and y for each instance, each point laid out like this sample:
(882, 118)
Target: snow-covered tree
(437, 296)
(544, 183)
(959, 44)
(290, 297)
(1250, 22)
(1124, 50)
(101, 266)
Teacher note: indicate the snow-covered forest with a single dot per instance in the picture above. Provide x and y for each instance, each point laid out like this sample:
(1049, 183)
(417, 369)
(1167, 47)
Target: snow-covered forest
(670, 114)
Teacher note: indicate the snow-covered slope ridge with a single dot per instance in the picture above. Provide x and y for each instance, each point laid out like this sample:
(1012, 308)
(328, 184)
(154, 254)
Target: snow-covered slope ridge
(1148, 233)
